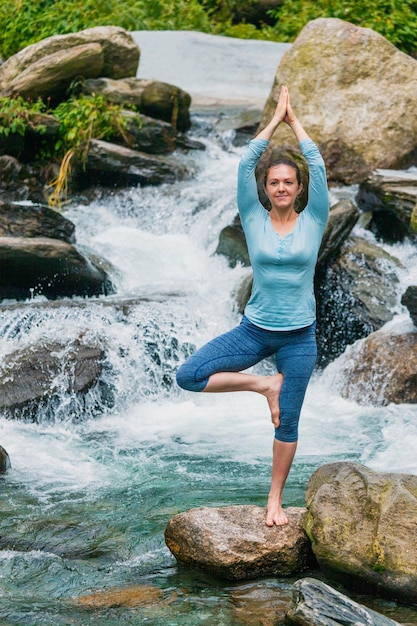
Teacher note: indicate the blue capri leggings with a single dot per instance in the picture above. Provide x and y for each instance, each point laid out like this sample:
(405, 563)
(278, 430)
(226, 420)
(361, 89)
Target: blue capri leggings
(244, 346)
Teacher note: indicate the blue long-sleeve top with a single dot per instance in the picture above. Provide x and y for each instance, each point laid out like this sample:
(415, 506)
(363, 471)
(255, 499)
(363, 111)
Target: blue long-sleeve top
(283, 267)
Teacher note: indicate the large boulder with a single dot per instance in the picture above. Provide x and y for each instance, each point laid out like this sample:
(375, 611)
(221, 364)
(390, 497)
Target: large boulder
(362, 526)
(391, 196)
(351, 108)
(316, 604)
(380, 369)
(51, 76)
(234, 542)
(50, 267)
(119, 52)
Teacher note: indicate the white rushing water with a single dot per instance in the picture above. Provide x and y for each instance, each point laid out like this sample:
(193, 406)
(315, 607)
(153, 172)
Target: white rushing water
(162, 241)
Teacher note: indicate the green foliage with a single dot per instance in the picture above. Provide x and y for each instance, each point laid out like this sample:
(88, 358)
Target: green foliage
(16, 114)
(23, 22)
(83, 118)
(396, 20)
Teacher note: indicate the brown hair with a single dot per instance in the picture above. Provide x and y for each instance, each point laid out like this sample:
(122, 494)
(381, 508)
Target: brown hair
(283, 161)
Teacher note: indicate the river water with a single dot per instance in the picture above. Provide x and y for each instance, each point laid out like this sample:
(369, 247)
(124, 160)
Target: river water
(94, 482)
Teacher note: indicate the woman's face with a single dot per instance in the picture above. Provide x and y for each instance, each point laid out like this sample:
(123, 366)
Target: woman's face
(282, 187)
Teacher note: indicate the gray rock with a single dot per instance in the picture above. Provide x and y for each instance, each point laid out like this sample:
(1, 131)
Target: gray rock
(4, 461)
(349, 107)
(39, 371)
(51, 76)
(409, 299)
(355, 296)
(53, 268)
(342, 218)
(316, 604)
(233, 542)
(232, 244)
(380, 369)
(119, 50)
(392, 197)
(154, 98)
(362, 526)
(31, 220)
(109, 163)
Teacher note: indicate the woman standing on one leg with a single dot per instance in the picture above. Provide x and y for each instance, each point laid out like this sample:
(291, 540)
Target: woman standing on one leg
(280, 316)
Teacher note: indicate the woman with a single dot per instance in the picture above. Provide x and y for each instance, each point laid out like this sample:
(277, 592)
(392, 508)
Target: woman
(280, 316)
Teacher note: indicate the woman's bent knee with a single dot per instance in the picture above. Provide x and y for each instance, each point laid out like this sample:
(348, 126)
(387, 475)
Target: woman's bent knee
(186, 379)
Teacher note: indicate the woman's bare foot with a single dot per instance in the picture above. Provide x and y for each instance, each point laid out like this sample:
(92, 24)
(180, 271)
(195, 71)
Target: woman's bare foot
(275, 514)
(271, 393)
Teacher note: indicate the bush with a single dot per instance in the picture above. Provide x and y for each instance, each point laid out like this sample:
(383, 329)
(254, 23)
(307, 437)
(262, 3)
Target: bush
(16, 114)
(24, 22)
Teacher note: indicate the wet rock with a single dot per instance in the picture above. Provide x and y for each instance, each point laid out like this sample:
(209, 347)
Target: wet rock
(232, 244)
(20, 181)
(154, 136)
(234, 543)
(49, 267)
(114, 45)
(392, 197)
(381, 369)
(355, 297)
(329, 69)
(317, 604)
(409, 299)
(342, 218)
(41, 370)
(153, 98)
(4, 461)
(31, 220)
(362, 526)
(111, 164)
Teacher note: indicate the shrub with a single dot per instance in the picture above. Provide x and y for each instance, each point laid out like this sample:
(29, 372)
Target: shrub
(16, 114)
(24, 22)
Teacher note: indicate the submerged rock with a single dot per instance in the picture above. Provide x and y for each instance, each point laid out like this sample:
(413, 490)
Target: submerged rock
(362, 526)
(138, 595)
(316, 604)
(233, 542)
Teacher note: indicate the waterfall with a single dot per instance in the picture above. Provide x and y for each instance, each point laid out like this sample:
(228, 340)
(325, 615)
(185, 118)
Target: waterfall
(94, 482)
